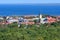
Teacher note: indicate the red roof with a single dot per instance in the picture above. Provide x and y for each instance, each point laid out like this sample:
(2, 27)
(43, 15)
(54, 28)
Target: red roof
(28, 23)
(50, 19)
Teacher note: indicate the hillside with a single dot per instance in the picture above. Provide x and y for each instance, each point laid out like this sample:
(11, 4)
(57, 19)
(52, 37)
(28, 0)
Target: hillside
(32, 32)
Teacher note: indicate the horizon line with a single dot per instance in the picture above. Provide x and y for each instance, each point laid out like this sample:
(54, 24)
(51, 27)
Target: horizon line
(29, 3)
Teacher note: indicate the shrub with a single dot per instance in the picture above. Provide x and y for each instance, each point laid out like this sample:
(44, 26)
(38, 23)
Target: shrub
(12, 32)
(12, 25)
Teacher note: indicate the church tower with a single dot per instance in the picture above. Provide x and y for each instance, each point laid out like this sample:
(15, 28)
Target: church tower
(40, 17)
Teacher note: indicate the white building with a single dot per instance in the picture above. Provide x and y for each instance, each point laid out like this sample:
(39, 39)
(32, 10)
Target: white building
(43, 20)
(12, 20)
(40, 16)
(35, 19)
(1, 18)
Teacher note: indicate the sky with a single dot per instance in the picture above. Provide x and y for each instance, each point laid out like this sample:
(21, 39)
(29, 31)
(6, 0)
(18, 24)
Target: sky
(28, 1)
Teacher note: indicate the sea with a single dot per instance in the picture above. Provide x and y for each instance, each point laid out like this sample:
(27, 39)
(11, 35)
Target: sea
(29, 9)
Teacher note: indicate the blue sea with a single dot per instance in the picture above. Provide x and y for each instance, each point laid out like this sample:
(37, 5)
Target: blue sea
(31, 9)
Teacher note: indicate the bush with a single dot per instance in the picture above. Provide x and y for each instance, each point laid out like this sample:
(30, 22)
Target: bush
(12, 32)
(12, 25)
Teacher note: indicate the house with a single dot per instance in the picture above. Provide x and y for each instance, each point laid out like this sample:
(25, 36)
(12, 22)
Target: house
(51, 19)
(1, 18)
(47, 19)
(35, 19)
(58, 18)
(12, 20)
(25, 21)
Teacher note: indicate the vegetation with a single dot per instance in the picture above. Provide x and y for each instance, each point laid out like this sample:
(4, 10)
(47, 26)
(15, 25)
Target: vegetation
(32, 32)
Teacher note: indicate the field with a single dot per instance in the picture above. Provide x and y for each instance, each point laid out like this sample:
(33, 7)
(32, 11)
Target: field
(31, 32)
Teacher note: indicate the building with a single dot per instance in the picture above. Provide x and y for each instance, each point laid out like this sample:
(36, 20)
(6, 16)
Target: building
(25, 21)
(43, 20)
(51, 20)
(12, 20)
(58, 18)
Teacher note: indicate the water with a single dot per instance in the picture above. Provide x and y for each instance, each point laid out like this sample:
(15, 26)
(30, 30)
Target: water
(11, 9)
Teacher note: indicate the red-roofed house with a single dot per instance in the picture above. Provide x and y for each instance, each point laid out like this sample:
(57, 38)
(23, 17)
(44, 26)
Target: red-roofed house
(51, 20)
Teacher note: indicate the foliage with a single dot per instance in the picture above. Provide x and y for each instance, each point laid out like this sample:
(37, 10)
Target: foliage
(12, 32)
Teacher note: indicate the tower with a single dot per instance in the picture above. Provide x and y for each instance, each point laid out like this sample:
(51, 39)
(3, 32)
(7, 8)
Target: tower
(40, 17)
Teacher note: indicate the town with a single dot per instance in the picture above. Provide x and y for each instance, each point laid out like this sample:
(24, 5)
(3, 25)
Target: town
(29, 20)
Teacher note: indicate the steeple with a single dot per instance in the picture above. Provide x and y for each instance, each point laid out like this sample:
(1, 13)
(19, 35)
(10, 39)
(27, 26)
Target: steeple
(40, 16)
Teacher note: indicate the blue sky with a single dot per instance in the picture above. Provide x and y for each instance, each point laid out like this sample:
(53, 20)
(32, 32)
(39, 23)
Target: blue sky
(28, 1)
